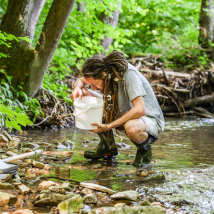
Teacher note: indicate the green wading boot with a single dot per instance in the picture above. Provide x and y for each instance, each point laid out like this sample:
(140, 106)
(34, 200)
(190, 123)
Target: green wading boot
(103, 150)
(144, 153)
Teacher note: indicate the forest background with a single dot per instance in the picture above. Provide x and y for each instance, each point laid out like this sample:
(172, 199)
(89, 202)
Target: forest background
(172, 29)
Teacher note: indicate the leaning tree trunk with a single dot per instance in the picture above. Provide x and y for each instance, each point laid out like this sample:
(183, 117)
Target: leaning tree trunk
(206, 22)
(106, 42)
(28, 65)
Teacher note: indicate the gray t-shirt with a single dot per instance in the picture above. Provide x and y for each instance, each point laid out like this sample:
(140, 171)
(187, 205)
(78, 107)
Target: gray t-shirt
(136, 85)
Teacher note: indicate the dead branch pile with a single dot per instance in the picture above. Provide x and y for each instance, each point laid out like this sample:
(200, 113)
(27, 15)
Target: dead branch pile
(57, 113)
(178, 92)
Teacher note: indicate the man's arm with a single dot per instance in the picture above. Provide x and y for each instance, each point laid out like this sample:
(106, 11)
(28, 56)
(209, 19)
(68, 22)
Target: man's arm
(136, 112)
(78, 86)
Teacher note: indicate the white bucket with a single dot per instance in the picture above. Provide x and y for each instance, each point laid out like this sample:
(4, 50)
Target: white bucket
(88, 110)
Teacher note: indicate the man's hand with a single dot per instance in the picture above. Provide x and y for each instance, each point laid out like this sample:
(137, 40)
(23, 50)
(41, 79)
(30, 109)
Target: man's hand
(100, 128)
(77, 92)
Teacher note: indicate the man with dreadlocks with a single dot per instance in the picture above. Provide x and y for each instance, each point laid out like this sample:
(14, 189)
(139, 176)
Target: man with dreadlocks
(129, 103)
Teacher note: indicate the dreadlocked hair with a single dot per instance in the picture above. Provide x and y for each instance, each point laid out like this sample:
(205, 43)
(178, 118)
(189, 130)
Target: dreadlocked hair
(114, 65)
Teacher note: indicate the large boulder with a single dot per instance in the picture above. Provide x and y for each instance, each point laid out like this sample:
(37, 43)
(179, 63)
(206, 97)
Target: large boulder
(128, 195)
(129, 210)
(7, 199)
(71, 205)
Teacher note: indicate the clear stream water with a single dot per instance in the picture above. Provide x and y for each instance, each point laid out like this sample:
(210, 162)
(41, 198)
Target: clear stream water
(184, 153)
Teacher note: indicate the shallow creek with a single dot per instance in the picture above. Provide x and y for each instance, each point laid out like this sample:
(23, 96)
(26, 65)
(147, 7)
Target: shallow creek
(183, 153)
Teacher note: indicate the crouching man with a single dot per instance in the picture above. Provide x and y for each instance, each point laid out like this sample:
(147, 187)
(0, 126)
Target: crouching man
(129, 104)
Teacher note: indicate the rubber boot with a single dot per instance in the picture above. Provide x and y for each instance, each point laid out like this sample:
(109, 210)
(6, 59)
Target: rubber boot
(144, 153)
(103, 150)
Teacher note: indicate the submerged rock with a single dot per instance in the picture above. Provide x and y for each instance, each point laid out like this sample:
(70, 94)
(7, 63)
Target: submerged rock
(129, 210)
(43, 202)
(158, 178)
(128, 195)
(6, 186)
(25, 211)
(38, 164)
(45, 185)
(7, 199)
(71, 205)
(90, 199)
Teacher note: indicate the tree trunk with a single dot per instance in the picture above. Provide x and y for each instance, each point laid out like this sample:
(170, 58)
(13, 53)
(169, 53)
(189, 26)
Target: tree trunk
(106, 42)
(26, 64)
(81, 7)
(206, 22)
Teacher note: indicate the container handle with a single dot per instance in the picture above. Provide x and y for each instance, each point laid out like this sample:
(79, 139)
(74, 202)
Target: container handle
(74, 114)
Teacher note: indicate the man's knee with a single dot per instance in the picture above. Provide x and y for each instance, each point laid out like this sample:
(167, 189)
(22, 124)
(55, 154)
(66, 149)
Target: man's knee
(131, 128)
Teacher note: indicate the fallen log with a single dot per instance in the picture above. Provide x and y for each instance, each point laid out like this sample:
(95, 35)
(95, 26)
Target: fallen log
(191, 102)
(170, 73)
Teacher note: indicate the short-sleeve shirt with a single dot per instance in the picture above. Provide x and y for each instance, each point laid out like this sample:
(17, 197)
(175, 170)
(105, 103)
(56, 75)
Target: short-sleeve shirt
(135, 85)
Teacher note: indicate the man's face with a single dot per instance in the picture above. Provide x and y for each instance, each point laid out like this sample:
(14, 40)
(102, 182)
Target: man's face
(95, 84)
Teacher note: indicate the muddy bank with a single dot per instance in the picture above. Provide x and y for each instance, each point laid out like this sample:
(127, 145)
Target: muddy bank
(180, 180)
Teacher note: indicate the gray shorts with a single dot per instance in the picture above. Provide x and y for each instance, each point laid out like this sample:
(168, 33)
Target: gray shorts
(151, 125)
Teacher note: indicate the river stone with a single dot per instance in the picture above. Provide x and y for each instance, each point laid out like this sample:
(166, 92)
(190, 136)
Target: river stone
(86, 191)
(85, 209)
(90, 199)
(72, 205)
(128, 195)
(48, 167)
(42, 202)
(62, 172)
(144, 173)
(25, 211)
(16, 161)
(38, 164)
(3, 138)
(14, 143)
(7, 199)
(129, 210)
(120, 205)
(158, 178)
(24, 189)
(58, 198)
(6, 186)
(30, 161)
(69, 144)
(7, 135)
(45, 185)
(144, 203)
(57, 188)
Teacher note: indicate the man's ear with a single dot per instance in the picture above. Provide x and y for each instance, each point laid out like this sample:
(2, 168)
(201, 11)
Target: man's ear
(103, 74)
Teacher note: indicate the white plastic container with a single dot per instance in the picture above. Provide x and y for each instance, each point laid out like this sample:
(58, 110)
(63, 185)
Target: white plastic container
(88, 110)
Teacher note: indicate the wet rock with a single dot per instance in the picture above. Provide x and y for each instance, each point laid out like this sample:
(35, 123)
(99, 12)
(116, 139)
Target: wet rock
(43, 202)
(86, 209)
(25, 150)
(30, 173)
(48, 167)
(3, 139)
(69, 144)
(71, 205)
(14, 143)
(7, 135)
(144, 203)
(38, 164)
(90, 199)
(45, 185)
(46, 191)
(10, 153)
(143, 190)
(150, 199)
(129, 210)
(16, 161)
(22, 132)
(120, 205)
(58, 188)
(86, 191)
(25, 211)
(7, 199)
(32, 145)
(58, 198)
(6, 186)
(128, 195)
(144, 173)
(96, 166)
(62, 172)
(30, 161)
(24, 189)
(67, 154)
(24, 165)
(60, 146)
(182, 203)
(68, 184)
(44, 144)
(8, 178)
(157, 178)
(97, 187)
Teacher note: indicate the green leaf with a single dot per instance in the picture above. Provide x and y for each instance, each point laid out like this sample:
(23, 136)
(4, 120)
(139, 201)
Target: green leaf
(26, 39)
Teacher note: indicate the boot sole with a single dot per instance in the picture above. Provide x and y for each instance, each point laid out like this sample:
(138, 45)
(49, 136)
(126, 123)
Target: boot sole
(105, 155)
